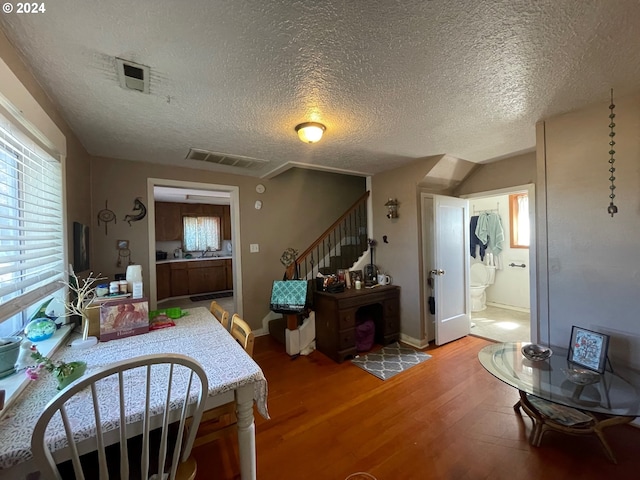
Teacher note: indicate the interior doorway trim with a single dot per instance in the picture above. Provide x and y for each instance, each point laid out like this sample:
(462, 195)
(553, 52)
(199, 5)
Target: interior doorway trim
(234, 207)
(533, 272)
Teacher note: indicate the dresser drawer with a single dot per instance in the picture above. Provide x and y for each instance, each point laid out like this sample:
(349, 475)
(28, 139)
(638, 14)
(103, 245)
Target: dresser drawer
(392, 307)
(346, 318)
(346, 339)
(391, 325)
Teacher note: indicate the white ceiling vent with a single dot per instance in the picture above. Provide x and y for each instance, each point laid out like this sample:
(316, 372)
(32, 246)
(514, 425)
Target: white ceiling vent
(224, 159)
(133, 75)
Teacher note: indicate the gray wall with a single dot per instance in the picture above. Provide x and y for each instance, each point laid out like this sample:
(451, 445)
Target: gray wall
(591, 271)
(509, 172)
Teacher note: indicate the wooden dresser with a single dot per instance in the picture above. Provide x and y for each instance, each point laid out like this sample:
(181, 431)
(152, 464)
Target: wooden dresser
(336, 318)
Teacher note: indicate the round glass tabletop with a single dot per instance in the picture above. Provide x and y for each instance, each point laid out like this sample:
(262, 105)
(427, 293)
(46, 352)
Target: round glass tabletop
(555, 379)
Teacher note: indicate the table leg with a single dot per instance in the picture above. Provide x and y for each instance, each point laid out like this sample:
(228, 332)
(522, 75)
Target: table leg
(246, 432)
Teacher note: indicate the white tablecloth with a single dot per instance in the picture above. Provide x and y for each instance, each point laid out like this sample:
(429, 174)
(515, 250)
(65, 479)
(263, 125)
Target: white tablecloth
(198, 335)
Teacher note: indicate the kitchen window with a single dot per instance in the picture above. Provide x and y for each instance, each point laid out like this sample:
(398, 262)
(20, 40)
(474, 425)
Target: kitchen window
(31, 227)
(519, 220)
(201, 233)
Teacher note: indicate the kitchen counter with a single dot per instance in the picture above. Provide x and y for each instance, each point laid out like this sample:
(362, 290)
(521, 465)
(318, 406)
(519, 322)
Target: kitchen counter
(173, 260)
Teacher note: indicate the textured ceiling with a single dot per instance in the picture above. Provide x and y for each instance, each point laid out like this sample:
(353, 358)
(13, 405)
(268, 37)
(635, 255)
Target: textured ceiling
(392, 80)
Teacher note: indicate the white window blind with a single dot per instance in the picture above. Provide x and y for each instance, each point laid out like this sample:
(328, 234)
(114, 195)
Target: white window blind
(31, 226)
(201, 233)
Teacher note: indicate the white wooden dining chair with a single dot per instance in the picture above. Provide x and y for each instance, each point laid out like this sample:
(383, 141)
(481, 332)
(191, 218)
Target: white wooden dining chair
(220, 313)
(174, 387)
(221, 421)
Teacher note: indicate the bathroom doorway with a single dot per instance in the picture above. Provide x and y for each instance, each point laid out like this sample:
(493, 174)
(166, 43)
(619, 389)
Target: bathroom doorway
(506, 311)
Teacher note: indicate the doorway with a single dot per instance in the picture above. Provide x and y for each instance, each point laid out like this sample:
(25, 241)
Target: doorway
(231, 193)
(506, 312)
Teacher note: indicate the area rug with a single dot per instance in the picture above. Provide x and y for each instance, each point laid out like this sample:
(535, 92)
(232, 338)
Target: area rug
(390, 360)
(212, 296)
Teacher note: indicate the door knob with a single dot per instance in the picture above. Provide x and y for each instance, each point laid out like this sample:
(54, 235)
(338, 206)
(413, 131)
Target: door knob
(437, 272)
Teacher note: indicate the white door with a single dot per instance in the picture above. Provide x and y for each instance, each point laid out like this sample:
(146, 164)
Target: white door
(450, 267)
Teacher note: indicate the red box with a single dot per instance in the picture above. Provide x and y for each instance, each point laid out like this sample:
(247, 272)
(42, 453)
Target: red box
(123, 318)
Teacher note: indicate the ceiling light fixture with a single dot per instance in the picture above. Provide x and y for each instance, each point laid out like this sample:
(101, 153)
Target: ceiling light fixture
(310, 132)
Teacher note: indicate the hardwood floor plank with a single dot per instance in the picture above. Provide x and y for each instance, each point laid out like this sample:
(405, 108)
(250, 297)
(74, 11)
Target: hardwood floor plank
(446, 418)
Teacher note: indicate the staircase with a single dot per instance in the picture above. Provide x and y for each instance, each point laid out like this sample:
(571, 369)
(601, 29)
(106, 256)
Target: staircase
(340, 246)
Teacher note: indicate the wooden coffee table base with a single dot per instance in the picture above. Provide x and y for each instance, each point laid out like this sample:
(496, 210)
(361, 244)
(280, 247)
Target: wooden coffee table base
(542, 423)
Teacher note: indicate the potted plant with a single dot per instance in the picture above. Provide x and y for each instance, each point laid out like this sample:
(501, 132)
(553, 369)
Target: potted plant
(65, 373)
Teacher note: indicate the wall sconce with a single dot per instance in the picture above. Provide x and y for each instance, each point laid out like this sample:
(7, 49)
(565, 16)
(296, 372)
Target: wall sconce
(392, 207)
(310, 132)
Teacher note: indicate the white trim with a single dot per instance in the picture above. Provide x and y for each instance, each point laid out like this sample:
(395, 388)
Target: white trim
(234, 193)
(307, 166)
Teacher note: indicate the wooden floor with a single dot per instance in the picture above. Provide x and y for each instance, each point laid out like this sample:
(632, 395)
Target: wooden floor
(446, 418)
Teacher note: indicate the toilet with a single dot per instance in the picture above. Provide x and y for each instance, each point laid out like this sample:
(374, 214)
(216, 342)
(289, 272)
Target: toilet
(481, 277)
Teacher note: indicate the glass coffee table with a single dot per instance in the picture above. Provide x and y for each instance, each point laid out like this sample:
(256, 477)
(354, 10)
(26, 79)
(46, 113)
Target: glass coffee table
(553, 401)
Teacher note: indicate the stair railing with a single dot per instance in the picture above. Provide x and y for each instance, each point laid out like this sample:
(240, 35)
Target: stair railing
(338, 247)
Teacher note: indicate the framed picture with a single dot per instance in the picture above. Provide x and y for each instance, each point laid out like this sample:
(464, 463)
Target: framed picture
(80, 247)
(122, 244)
(588, 349)
(355, 275)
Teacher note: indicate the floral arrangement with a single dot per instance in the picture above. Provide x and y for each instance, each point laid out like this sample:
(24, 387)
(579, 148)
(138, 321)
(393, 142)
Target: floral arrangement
(60, 370)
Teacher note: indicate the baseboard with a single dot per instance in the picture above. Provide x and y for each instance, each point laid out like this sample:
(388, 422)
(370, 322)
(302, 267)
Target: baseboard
(414, 342)
(509, 307)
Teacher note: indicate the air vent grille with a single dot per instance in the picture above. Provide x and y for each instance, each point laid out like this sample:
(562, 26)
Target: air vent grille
(224, 159)
(133, 76)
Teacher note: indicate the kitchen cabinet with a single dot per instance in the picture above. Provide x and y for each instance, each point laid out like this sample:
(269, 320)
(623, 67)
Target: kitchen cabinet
(169, 218)
(179, 279)
(207, 276)
(168, 221)
(226, 223)
(195, 209)
(163, 283)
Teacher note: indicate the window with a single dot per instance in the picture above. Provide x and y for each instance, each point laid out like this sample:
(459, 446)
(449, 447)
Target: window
(201, 233)
(519, 216)
(31, 227)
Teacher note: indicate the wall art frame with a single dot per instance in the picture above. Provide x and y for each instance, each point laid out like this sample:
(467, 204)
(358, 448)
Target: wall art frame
(588, 349)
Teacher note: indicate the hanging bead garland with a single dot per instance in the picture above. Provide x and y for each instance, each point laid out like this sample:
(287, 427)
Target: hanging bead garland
(612, 208)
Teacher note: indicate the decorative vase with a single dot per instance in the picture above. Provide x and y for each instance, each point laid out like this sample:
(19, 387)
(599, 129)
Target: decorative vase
(77, 370)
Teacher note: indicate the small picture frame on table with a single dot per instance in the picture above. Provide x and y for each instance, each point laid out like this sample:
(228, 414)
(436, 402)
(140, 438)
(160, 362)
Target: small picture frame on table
(588, 349)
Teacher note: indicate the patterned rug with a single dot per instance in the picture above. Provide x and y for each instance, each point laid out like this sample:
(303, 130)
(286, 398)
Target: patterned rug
(390, 361)
(212, 296)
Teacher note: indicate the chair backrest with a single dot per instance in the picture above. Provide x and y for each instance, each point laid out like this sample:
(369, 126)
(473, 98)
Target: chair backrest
(220, 313)
(102, 401)
(241, 331)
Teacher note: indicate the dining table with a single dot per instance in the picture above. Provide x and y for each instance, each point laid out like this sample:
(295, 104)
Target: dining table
(232, 375)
